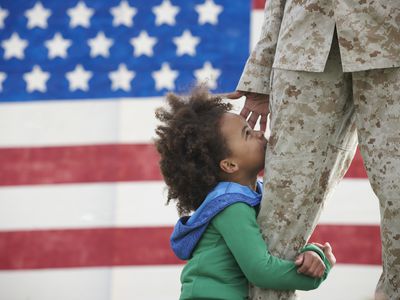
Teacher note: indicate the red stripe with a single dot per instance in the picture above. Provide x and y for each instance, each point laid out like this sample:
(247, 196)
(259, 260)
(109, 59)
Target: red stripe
(149, 246)
(356, 169)
(351, 244)
(95, 163)
(258, 4)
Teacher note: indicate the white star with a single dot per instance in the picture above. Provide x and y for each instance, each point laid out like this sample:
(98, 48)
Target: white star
(57, 46)
(207, 75)
(165, 77)
(123, 14)
(100, 45)
(14, 47)
(143, 44)
(3, 16)
(165, 13)
(37, 16)
(186, 44)
(78, 79)
(121, 78)
(3, 77)
(80, 15)
(208, 12)
(36, 79)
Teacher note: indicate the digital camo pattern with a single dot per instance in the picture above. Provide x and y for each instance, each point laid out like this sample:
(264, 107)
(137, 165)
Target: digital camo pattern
(297, 35)
(314, 122)
(377, 106)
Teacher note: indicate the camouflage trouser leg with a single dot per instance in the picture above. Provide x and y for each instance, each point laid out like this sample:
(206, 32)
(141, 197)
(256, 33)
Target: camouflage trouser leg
(313, 138)
(377, 108)
(312, 143)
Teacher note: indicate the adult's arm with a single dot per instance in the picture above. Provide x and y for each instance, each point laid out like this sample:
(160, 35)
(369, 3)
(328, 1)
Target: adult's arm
(256, 74)
(237, 224)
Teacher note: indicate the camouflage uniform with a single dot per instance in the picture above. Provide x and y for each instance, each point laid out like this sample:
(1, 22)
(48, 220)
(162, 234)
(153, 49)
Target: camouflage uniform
(325, 88)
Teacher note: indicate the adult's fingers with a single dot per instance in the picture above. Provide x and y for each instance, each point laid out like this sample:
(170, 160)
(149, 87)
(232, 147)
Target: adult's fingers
(245, 112)
(234, 95)
(263, 123)
(253, 119)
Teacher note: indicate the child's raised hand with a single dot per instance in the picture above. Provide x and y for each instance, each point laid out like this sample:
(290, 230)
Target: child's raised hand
(327, 249)
(310, 264)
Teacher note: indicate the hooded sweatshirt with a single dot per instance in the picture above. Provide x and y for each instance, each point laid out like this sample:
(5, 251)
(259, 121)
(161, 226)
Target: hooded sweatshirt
(188, 230)
(225, 249)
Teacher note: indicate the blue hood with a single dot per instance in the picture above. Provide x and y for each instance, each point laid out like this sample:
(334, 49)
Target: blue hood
(188, 230)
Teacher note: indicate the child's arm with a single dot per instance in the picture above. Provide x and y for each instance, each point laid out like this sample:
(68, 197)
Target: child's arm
(237, 224)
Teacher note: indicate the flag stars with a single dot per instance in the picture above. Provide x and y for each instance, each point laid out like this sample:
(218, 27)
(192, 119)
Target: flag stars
(165, 13)
(186, 44)
(100, 45)
(3, 15)
(80, 15)
(123, 14)
(37, 16)
(36, 80)
(3, 77)
(208, 12)
(207, 75)
(79, 79)
(143, 44)
(57, 46)
(165, 77)
(14, 47)
(121, 78)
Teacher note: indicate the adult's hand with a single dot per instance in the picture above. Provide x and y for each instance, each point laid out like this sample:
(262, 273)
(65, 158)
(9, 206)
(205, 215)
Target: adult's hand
(255, 106)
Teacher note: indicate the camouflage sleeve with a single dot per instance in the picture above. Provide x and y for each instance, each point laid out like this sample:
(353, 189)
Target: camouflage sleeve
(256, 73)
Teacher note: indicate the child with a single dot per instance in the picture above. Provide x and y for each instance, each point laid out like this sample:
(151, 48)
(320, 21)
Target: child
(210, 159)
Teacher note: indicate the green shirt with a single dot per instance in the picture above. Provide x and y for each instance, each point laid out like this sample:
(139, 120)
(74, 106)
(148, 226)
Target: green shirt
(231, 253)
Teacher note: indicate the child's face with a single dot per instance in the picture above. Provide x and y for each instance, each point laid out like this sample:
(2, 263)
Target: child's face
(247, 146)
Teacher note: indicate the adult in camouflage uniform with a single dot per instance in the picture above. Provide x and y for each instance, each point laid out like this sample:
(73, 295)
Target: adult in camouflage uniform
(329, 70)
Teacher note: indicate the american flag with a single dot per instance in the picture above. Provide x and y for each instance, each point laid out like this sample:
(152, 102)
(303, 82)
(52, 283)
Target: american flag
(81, 195)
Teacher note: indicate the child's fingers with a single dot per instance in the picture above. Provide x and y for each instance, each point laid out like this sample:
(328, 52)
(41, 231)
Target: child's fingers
(318, 245)
(305, 266)
(316, 268)
(312, 265)
(328, 246)
(299, 260)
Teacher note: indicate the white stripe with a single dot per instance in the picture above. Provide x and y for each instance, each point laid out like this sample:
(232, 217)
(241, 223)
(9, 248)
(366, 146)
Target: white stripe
(85, 206)
(353, 202)
(60, 284)
(142, 204)
(257, 18)
(157, 282)
(58, 123)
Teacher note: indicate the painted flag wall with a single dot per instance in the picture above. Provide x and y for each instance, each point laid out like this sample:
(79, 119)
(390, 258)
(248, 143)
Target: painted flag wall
(82, 212)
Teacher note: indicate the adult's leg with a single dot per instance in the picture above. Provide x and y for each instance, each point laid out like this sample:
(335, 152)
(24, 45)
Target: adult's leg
(377, 110)
(311, 146)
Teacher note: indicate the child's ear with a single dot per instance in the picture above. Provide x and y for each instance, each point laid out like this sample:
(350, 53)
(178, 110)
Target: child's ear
(228, 166)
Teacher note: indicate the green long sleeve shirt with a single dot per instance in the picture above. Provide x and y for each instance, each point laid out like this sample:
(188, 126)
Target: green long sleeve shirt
(231, 253)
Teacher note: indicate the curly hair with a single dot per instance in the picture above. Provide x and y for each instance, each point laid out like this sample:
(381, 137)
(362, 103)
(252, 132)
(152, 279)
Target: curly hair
(191, 146)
